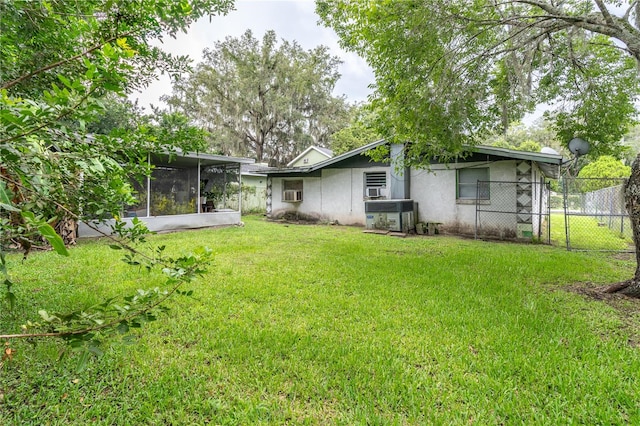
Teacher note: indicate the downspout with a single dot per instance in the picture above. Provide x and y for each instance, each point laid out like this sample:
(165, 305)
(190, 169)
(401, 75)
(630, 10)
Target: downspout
(351, 194)
(400, 175)
(240, 188)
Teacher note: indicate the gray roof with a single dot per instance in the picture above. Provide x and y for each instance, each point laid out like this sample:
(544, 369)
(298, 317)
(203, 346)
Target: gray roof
(180, 158)
(327, 151)
(548, 163)
(255, 169)
(330, 161)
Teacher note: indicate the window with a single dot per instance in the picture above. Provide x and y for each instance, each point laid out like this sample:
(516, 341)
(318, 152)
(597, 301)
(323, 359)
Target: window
(292, 191)
(373, 183)
(468, 184)
(173, 190)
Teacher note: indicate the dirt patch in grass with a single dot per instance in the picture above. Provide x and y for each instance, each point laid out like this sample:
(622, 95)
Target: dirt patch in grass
(627, 308)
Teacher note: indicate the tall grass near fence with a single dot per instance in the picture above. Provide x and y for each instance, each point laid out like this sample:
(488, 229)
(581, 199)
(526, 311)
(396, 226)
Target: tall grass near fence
(327, 325)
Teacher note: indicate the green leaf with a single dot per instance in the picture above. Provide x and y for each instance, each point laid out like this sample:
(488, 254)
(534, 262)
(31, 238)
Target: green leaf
(5, 198)
(123, 327)
(115, 247)
(9, 207)
(53, 238)
(29, 216)
(11, 299)
(65, 81)
(82, 361)
(96, 350)
(3, 263)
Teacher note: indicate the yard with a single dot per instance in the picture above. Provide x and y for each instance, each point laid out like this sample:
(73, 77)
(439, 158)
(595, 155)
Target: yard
(327, 325)
(588, 233)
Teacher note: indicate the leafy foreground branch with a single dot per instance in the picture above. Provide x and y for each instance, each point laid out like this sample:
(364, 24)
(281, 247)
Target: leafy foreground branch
(85, 330)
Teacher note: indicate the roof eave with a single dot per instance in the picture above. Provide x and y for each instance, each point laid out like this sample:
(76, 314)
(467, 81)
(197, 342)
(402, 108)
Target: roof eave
(538, 157)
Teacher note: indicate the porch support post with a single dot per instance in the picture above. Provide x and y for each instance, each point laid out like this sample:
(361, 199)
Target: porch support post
(198, 200)
(240, 188)
(148, 186)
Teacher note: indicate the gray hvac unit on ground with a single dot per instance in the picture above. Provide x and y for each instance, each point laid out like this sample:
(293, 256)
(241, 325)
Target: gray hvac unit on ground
(390, 215)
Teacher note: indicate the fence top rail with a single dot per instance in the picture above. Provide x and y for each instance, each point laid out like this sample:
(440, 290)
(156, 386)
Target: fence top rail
(512, 182)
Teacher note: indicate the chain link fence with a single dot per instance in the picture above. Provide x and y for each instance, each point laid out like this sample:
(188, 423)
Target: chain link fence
(595, 217)
(518, 211)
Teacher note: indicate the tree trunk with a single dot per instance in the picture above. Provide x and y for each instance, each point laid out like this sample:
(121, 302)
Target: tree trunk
(66, 228)
(632, 203)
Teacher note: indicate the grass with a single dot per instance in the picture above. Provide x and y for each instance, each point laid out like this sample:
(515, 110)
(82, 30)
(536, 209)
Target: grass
(327, 325)
(587, 233)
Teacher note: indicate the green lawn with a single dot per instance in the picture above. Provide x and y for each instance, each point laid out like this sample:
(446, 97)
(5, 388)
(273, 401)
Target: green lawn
(327, 325)
(587, 233)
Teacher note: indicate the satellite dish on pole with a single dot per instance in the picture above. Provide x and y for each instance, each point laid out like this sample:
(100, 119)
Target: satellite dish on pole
(579, 147)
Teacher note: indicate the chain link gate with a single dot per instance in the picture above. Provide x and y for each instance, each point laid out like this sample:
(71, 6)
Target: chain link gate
(595, 217)
(518, 211)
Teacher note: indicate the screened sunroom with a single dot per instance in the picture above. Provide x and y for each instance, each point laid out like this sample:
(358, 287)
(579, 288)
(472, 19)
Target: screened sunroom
(186, 191)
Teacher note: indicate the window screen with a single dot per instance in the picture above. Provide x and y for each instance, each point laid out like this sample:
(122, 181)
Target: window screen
(468, 183)
(292, 190)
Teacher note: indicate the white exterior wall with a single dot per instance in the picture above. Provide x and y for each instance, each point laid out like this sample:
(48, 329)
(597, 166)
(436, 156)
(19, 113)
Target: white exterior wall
(254, 199)
(435, 192)
(311, 197)
(337, 196)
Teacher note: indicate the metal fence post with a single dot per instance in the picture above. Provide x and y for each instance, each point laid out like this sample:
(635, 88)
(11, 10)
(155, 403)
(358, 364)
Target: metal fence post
(475, 228)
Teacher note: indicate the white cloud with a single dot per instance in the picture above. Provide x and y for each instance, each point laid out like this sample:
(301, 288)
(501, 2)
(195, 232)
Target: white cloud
(290, 19)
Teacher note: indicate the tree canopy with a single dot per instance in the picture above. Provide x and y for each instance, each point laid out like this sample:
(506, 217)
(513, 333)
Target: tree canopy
(61, 65)
(264, 99)
(65, 157)
(450, 72)
(604, 172)
(360, 131)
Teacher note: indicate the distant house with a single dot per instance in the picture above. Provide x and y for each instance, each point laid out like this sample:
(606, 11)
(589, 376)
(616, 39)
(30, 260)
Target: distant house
(310, 156)
(507, 187)
(186, 191)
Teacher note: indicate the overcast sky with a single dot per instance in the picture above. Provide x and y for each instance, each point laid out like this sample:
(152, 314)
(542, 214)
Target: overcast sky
(290, 19)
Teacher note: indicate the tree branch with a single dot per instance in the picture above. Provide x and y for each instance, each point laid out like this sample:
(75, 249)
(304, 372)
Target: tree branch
(63, 61)
(605, 12)
(109, 324)
(50, 122)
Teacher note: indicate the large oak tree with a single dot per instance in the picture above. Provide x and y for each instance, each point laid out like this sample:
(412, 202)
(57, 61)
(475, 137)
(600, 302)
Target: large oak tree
(450, 72)
(264, 99)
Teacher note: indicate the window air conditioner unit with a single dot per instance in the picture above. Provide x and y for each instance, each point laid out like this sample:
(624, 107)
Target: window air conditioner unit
(373, 192)
(292, 195)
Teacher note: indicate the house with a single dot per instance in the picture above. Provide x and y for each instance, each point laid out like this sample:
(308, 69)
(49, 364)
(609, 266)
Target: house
(492, 191)
(185, 191)
(254, 187)
(310, 156)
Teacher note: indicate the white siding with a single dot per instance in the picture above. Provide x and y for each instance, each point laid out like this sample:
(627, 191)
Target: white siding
(338, 195)
(435, 192)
